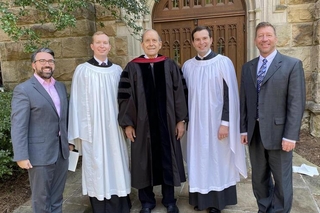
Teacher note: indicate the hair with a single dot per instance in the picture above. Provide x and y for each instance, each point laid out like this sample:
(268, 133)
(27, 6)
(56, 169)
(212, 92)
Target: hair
(41, 50)
(199, 28)
(148, 31)
(98, 33)
(265, 24)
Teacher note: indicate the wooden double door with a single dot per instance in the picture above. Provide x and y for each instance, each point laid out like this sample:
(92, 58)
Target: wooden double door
(174, 20)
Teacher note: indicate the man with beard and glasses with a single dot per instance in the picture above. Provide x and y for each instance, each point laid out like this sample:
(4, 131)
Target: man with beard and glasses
(39, 133)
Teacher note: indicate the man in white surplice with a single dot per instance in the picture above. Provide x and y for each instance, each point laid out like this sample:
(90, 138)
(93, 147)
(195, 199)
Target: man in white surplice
(94, 129)
(215, 155)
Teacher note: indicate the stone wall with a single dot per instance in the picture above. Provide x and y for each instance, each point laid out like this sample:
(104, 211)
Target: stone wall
(314, 103)
(71, 46)
(296, 21)
(298, 37)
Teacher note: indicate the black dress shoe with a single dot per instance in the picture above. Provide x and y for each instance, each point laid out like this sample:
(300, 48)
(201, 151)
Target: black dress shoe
(145, 210)
(172, 209)
(214, 210)
(196, 208)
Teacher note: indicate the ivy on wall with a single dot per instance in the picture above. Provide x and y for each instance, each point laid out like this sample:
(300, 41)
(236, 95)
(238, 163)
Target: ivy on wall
(62, 14)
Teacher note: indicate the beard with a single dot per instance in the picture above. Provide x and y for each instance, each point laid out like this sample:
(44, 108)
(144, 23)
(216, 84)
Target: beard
(44, 73)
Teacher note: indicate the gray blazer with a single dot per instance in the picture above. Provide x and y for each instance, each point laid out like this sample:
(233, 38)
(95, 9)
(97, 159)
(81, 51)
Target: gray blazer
(281, 103)
(35, 124)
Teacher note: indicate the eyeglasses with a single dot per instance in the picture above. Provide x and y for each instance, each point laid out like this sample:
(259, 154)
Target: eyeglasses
(44, 61)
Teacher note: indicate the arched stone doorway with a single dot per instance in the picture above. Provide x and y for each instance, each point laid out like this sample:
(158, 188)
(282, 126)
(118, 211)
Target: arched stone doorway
(255, 12)
(276, 12)
(175, 19)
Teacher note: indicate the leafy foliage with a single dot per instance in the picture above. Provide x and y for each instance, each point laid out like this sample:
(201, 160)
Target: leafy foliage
(5, 124)
(62, 14)
(7, 166)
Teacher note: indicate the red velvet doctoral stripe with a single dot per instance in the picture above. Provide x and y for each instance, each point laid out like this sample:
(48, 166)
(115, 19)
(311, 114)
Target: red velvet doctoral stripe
(149, 60)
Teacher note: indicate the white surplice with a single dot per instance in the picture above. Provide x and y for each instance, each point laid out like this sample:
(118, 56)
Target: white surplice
(213, 164)
(93, 125)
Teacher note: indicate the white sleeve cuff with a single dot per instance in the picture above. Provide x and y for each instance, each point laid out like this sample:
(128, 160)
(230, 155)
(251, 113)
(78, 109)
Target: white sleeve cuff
(225, 123)
(291, 141)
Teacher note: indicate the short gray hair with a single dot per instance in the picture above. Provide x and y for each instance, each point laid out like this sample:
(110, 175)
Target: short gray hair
(42, 49)
(148, 31)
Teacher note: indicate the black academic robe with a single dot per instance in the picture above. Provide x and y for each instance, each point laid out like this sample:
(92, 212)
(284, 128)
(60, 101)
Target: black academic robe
(152, 100)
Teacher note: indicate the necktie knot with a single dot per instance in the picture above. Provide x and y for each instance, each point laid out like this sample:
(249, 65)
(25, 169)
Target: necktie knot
(103, 64)
(264, 61)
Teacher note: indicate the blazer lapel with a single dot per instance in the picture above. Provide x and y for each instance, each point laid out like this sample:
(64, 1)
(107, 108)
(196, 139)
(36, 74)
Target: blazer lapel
(253, 71)
(274, 66)
(61, 93)
(43, 92)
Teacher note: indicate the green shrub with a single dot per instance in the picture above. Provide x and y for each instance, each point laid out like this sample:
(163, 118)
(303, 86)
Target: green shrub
(5, 111)
(7, 166)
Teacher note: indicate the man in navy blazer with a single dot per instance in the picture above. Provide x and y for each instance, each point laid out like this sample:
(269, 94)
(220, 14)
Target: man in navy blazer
(271, 110)
(39, 133)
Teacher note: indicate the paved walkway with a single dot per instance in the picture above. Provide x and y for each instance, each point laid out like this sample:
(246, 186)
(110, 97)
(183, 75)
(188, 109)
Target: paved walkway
(306, 198)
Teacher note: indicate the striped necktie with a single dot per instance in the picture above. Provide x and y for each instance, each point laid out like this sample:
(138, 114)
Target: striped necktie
(261, 74)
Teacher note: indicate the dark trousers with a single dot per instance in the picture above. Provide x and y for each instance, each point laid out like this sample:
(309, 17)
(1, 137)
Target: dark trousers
(47, 186)
(271, 176)
(147, 199)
